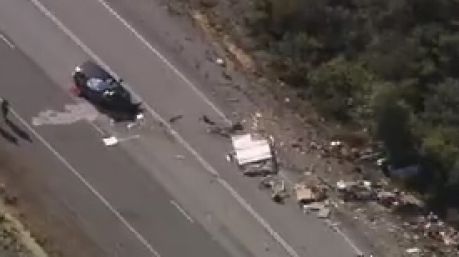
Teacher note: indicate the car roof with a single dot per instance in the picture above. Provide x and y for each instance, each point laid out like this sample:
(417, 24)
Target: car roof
(92, 70)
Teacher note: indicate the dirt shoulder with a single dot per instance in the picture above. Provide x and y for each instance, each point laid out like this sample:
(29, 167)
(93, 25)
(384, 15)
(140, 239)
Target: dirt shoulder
(15, 239)
(33, 220)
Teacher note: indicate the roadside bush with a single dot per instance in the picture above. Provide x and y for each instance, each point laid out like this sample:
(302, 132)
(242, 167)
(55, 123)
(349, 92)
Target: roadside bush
(390, 63)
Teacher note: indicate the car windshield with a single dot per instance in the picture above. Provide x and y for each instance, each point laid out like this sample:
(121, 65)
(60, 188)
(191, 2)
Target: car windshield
(101, 85)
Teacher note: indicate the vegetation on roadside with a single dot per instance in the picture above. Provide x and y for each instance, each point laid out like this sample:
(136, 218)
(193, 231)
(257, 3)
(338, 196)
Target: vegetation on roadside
(391, 65)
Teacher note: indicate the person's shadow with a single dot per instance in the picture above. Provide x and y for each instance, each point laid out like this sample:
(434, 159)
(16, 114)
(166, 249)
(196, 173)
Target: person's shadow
(18, 131)
(8, 136)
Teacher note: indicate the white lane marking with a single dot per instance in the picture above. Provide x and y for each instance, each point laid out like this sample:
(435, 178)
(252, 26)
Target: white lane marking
(166, 61)
(182, 211)
(174, 133)
(341, 233)
(96, 127)
(88, 185)
(349, 241)
(9, 43)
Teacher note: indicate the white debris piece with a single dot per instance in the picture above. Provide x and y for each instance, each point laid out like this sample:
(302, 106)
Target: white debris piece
(110, 141)
(413, 250)
(336, 143)
(220, 61)
(139, 116)
(249, 149)
(130, 125)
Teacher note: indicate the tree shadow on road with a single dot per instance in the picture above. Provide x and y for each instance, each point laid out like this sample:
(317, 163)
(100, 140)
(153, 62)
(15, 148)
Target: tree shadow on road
(18, 131)
(8, 136)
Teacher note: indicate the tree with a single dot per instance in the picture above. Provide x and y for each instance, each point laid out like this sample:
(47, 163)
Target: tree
(393, 122)
(339, 86)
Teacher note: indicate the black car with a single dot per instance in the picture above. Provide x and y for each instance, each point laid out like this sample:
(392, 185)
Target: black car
(102, 89)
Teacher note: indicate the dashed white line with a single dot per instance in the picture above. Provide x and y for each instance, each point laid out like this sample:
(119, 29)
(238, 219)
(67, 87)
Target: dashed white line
(98, 195)
(99, 129)
(8, 42)
(182, 211)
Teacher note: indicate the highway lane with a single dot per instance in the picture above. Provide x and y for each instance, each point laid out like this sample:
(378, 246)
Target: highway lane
(127, 188)
(169, 95)
(207, 201)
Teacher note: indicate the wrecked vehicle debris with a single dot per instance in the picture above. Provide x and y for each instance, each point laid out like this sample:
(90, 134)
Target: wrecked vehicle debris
(224, 131)
(308, 194)
(254, 155)
(277, 187)
(175, 118)
(320, 209)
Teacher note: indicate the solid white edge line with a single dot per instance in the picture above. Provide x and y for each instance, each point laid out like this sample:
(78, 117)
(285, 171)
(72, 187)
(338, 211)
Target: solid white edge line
(87, 184)
(174, 133)
(9, 43)
(182, 211)
(166, 61)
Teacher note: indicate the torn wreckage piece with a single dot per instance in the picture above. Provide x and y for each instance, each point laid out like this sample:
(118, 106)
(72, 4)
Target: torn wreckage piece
(254, 155)
(277, 187)
(224, 131)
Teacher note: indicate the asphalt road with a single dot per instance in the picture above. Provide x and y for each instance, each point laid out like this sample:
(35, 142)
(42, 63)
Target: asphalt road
(124, 184)
(205, 209)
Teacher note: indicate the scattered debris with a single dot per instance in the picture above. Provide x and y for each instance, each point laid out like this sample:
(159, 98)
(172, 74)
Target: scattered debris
(220, 61)
(413, 250)
(139, 116)
(424, 226)
(304, 195)
(237, 126)
(312, 198)
(230, 157)
(321, 209)
(336, 143)
(110, 141)
(207, 120)
(356, 191)
(226, 75)
(175, 118)
(131, 125)
(225, 131)
(277, 187)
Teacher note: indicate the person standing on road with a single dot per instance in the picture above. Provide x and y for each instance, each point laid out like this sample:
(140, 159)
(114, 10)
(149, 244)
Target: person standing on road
(5, 108)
